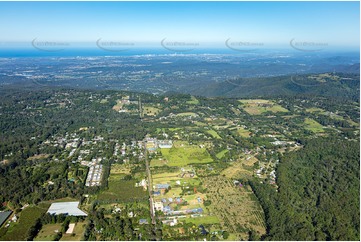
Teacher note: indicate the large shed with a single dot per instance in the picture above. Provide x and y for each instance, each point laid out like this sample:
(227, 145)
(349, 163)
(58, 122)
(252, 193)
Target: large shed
(68, 208)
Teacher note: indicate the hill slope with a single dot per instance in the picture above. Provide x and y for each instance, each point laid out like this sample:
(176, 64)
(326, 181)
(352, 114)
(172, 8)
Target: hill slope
(328, 84)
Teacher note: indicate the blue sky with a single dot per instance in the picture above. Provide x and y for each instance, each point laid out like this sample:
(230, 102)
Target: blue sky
(271, 23)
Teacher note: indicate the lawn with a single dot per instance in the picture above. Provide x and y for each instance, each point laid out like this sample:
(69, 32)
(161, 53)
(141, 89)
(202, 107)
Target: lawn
(182, 155)
(214, 134)
(78, 231)
(47, 232)
(221, 154)
(202, 220)
(313, 126)
(27, 219)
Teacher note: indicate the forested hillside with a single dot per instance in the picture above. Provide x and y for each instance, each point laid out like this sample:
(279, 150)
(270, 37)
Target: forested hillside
(339, 85)
(318, 195)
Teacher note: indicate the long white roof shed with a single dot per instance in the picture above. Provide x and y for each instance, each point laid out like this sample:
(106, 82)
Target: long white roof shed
(68, 208)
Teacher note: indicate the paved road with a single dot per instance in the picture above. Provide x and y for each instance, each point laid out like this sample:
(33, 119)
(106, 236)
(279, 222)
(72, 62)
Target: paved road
(149, 184)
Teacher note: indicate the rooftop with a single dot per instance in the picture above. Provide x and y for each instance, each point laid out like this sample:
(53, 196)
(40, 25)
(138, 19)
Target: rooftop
(68, 208)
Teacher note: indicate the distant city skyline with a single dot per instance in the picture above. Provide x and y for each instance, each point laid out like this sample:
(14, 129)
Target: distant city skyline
(200, 24)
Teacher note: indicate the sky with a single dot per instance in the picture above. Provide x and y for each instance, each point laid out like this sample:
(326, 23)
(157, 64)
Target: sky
(209, 23)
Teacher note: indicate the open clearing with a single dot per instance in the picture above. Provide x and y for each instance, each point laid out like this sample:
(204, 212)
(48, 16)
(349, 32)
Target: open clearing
(221, 154)
(150, 110)
(243, 132)
(240, 169)
(119, 169)
(214, 134)
(236, 207)
(314, 110)
(158, 162)
(313, 126)
(259, 106)
(117, 107)
(120, 190)
(201, 220)
(182, 154)
(38, 157)
(78, 233)
(186, 114)
(193, 101)
(47, 232)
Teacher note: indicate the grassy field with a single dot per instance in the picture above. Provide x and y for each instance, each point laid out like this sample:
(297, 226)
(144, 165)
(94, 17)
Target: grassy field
(202, 220)
(171, 178)
(236, 208)
(119, 169)
(165, 177)
(27, 219)
(199, 123)
(158, 162)
(259, 106)
(221, 154)
(214, 134)
(47, 232)
(186, 114)
(150, 110)
(38, 157)
(183, 154)
(314, 110)
(353, 123)
(78, 233)
(241, 169)
(243, 132)
(313, 126)
(122, 191)
(193, 101)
